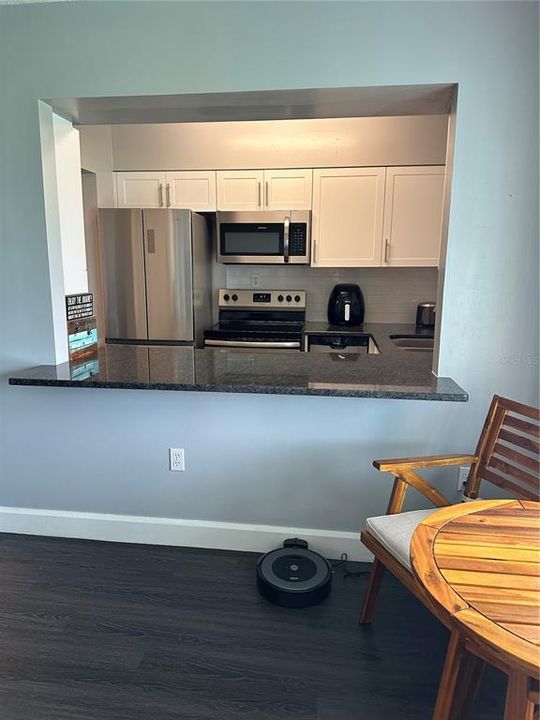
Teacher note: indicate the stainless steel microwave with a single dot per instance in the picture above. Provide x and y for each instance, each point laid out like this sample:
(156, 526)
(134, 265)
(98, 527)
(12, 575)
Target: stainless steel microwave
(263, 238)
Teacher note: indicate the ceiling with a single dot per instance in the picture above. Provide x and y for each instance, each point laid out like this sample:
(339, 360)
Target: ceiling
(259, 105)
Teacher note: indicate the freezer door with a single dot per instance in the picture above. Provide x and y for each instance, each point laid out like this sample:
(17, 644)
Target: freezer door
(122, 261)
(169, 286)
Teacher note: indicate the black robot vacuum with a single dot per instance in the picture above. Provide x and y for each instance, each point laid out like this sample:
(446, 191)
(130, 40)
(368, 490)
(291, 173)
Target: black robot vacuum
(293, 576)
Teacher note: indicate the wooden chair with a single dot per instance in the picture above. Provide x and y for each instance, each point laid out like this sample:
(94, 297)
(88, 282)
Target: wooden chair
(506, 456)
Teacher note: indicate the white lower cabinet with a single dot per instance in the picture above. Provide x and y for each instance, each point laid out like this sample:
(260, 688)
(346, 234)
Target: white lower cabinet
(413, 216)
(348, 206)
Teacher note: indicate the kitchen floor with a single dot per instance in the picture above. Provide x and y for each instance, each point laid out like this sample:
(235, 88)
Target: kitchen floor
(106, 631)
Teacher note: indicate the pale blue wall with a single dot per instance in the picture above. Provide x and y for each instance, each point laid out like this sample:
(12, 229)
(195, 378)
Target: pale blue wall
(291, 445)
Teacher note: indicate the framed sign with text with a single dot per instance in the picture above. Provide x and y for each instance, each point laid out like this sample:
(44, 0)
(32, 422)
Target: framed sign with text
(81, 327)
(79, 306)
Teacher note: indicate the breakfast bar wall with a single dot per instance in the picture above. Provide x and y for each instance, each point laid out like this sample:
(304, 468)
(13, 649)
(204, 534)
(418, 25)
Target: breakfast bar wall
(295, 462)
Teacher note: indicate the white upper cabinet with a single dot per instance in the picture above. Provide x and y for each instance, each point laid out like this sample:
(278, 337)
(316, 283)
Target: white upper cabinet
(140, 189)
(191, 190)
(287, 189)
(348, 207)
(264, 189)
(362, 217)
(412, 216)
(240, 189)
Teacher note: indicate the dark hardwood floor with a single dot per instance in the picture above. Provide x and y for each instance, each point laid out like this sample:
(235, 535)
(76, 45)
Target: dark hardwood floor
(105, 631)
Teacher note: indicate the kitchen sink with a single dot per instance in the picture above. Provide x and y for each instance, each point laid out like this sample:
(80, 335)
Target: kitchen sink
(413, 342)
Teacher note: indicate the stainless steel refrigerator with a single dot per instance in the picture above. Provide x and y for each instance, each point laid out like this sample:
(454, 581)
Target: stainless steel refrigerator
(156, 267)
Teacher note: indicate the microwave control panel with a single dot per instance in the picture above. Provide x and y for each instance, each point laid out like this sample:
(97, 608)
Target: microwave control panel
(298, 239)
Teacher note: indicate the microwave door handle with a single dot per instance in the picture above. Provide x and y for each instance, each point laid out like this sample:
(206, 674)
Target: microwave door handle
(286, 239)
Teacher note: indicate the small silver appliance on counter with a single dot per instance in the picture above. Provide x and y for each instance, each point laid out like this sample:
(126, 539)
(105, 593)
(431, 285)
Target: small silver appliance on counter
(425, 314)
(156, 267)
(262, 238)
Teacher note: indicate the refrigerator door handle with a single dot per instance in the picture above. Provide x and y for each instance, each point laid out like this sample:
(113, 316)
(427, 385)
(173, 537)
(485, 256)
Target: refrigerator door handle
(150, 241)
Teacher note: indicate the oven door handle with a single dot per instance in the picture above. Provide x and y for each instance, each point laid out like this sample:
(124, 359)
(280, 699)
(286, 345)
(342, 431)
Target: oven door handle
(286, 226)
(254, 343)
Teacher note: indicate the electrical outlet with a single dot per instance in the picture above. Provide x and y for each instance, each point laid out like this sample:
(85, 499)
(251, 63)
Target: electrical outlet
(463, 474)
(176, 460)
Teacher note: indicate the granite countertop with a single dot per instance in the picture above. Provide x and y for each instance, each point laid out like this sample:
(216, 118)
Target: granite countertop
(393, 373)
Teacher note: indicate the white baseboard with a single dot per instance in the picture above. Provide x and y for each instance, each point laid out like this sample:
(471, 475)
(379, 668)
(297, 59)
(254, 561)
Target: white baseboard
(172, 531)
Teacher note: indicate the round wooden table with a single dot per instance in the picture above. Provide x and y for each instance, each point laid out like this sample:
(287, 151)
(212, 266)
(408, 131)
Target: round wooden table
(480, 565)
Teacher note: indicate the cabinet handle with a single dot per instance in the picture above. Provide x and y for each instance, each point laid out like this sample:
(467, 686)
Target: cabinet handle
(266, 192)
(168, 192)
(259, 193)
(386, 250)
(160, 192)
(286, 226)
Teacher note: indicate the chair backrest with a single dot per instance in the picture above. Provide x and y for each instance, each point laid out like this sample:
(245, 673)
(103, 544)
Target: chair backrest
(508, 450)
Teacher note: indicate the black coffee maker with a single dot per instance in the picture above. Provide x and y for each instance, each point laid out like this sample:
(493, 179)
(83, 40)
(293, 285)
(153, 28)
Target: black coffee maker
(346, 305)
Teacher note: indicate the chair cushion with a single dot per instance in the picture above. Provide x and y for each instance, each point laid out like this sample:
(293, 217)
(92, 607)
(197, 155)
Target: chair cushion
(395, 532)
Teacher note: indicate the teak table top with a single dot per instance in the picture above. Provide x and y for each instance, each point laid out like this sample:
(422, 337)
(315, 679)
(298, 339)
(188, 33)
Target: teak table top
(480, 563)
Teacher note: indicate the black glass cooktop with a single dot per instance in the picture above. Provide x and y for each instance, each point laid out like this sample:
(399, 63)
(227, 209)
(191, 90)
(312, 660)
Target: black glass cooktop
(251, 330)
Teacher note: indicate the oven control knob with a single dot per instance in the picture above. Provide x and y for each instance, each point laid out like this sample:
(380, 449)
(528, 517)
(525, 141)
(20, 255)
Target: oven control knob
(288, 298)
(226, 297)
(297, 298)
(280, 298)
(235, 297)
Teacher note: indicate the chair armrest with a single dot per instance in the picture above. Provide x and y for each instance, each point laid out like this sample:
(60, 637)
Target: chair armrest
(421, 484)
(398, 464)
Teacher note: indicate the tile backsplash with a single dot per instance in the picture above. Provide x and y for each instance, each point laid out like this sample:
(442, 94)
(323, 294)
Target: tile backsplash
(391, 294)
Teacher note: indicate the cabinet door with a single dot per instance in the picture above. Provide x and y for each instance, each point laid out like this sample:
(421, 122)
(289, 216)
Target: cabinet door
(191, 190)
(240, 189)
(287, 189)
(348, 209)
(412, 216)
(140, 189)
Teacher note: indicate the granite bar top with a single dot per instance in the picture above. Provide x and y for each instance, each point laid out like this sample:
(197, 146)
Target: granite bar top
(393, 374)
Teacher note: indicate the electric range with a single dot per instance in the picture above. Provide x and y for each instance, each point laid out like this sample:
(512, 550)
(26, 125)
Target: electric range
(269, 320)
